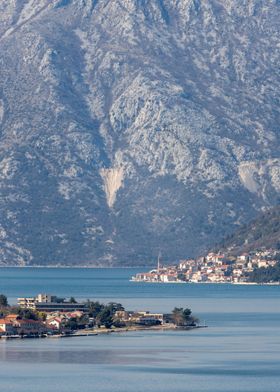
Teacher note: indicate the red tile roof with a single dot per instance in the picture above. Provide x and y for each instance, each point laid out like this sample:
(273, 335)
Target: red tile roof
(12, 316)
(5, 321)
(28, 322)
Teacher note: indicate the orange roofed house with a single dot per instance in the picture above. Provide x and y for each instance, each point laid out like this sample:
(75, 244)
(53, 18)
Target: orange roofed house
(13, 325)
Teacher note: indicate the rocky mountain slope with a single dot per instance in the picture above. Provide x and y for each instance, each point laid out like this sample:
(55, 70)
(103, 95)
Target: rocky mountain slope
(261, 232)
(129, 126)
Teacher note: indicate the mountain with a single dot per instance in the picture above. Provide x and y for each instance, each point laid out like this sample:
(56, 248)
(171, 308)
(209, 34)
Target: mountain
(133, 126)
(261, 232)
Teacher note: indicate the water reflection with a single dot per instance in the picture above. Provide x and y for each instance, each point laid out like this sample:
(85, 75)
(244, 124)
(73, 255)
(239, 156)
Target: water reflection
(85, 356)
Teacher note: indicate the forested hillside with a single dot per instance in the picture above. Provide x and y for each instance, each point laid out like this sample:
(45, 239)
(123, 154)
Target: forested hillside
(262, 232)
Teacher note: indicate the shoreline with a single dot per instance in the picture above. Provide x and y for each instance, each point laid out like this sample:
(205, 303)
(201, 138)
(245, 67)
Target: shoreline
(193, 283)
(135, 328)
(107, 331)
(135, 281)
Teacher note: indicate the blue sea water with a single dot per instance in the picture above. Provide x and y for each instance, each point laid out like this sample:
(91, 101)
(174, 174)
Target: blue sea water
(239, 351)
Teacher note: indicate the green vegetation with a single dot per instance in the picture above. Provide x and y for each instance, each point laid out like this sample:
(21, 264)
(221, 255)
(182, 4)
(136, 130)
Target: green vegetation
(27, 314)
(3, 300)
(75, 323)
(262, 232)
(72, 324)
(106, 315)
(98, 315)
(183, 317)
(102, 315)
(94, 308)
(266, 275)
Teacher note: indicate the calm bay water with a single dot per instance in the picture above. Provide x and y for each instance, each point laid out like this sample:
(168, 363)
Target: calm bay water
(240, 351)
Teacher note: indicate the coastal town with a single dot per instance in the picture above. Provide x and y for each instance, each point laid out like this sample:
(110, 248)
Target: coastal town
(213, 268)
(50, 316)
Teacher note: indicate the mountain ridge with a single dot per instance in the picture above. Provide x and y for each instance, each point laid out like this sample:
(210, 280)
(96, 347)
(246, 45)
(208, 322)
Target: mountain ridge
(132, 127)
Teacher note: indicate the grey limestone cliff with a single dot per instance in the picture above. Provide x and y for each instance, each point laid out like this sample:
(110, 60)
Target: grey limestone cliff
(129, 126)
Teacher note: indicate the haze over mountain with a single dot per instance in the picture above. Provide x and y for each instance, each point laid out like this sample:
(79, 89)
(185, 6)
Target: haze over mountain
(129, 126)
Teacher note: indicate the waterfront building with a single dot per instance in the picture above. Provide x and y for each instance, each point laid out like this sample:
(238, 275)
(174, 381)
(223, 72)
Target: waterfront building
(30, 303)
(55, 323)
(50, 303)
(29, 327)
(168, 278)
(146, 318)
(17, 326)
(6, 327)
(59, 306)
(122, 315)
(26, 303)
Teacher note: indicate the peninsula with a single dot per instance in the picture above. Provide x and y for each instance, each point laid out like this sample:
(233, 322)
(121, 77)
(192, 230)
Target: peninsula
(50, 316)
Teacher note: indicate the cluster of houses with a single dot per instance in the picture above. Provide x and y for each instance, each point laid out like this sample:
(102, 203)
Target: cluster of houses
(214, 268)
(55, 313)
(56, 316)
(58, 321)
(14, 325)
